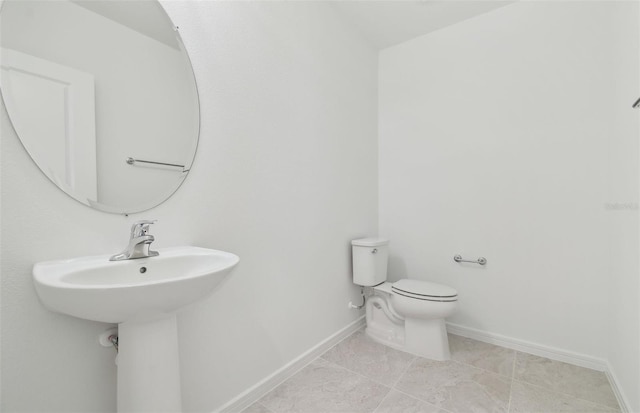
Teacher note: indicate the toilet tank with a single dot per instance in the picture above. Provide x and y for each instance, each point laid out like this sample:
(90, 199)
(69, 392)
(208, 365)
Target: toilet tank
(370, 257)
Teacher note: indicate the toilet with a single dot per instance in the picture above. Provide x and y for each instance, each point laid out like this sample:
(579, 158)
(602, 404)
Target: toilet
(408, 314)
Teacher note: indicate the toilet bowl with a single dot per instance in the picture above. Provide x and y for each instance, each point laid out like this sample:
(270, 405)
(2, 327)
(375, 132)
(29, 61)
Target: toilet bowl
(409, 320)
(409, 314)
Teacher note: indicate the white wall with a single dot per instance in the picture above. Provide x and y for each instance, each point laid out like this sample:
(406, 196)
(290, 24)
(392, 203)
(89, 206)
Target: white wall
(285, 177)
(624, 310)
(497, 138)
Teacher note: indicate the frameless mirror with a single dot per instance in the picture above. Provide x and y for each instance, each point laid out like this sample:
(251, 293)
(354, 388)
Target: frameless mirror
(102, 96)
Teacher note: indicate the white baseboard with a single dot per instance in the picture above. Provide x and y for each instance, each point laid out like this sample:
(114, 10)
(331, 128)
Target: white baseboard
(622, 399)
(253, 394)
(552, 353)
(536, 349)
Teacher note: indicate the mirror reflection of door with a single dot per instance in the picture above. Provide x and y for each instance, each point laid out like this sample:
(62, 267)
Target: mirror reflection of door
(64, 135)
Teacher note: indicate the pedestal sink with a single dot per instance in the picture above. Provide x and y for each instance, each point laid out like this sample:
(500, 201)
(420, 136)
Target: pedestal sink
(142, 296)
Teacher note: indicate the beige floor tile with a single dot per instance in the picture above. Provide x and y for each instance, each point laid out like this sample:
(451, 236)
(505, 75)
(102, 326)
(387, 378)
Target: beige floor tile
(361, 354)
(325, 387)
(456, 387)
(526, 398)
(350, 377)
(397, 402)
(565, 378)
(482, 355)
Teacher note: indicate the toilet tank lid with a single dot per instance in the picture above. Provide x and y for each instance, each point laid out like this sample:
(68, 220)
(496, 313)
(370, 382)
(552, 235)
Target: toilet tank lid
(370, 242)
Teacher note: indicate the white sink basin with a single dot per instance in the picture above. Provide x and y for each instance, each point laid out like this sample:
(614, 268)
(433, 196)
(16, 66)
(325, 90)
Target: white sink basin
(95, 288)
(142, 296)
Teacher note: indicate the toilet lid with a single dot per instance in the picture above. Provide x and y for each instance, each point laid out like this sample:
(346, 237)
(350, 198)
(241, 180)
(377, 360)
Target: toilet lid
(370, 242)
(424, 290)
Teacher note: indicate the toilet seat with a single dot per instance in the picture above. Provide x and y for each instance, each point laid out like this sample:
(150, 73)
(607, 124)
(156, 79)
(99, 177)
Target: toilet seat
(424, 290)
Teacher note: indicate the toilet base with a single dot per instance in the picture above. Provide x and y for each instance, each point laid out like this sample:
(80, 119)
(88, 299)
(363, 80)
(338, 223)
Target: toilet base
(424, 338)
(430, 342)
(427, 338)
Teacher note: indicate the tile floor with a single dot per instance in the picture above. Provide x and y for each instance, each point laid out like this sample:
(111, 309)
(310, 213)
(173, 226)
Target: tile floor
(360, 375)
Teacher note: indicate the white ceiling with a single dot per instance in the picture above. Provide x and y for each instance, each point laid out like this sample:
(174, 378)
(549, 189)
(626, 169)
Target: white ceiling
(383, 23)
(389, 22)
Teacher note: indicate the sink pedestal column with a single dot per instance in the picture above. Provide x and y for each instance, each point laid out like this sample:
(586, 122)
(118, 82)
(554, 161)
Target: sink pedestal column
(148, 366)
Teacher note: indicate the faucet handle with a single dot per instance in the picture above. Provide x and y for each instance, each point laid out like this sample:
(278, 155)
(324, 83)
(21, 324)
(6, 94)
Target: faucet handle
(140, 228)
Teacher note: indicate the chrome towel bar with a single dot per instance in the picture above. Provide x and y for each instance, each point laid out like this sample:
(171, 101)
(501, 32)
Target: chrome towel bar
(481, 260)
(132, 161)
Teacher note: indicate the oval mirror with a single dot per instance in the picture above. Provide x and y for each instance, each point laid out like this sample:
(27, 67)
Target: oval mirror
(102, 96)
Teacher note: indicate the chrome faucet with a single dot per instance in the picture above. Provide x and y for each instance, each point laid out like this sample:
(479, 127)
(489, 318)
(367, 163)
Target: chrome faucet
(138, 243)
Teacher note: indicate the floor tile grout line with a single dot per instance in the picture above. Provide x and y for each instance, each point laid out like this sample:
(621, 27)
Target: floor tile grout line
(369, 378)
(569, 395)
(482, 368)
(393, 386)
(476, 368)
(450, 360)
(383, 399)
(415, 358)
(553, 390)
(320, 357)
(340, 367)
(389, 389)
(516, 352)
(298, 370)
(355, 372)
